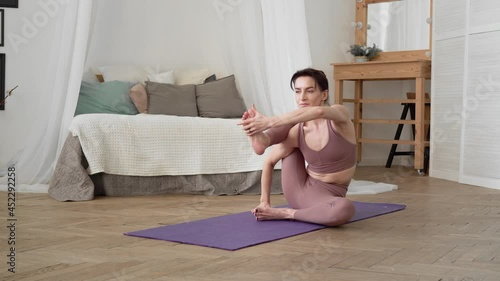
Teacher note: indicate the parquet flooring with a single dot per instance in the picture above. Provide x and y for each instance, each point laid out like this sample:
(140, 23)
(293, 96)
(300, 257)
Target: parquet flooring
(448, 232)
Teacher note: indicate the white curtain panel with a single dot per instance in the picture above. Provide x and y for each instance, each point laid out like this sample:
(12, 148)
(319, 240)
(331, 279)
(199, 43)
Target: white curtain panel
(73, 68)
(286, 44)
(241, 39)
(37, 160)
(264, 44)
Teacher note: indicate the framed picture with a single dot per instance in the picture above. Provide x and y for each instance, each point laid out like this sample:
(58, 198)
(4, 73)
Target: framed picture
(2, 81)
(1, 27)
(9, 3)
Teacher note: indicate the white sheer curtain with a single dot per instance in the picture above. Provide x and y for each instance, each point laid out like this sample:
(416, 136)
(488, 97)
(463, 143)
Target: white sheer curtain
(287, 50)
(37, 160)
(265, 42)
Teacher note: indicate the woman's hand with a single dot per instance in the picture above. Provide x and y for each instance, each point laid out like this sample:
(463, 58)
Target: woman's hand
(262, 205)
(254, 122)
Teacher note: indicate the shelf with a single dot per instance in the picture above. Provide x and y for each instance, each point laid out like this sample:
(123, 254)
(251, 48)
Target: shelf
(384, 121)
(384, 141)
(378, 101)
(387, 121)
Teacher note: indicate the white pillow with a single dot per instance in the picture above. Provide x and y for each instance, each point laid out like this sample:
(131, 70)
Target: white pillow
(131, 74)
(196, 76)
(90, 76)
(165, 77)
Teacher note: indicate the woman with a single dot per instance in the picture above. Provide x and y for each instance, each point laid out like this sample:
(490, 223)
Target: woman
(317, 133)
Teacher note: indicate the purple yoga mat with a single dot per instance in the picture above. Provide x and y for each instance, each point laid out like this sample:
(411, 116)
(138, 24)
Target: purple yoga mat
(237, 231)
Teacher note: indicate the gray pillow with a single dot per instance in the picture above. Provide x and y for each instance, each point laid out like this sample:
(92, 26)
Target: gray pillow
(171, 99)
(220, 99)
(210, 78)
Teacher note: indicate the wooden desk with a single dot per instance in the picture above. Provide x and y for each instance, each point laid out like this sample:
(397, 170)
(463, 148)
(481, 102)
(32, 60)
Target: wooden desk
(417, 70)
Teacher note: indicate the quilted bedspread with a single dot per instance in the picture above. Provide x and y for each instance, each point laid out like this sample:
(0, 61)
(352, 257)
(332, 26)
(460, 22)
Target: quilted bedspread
(153, 145)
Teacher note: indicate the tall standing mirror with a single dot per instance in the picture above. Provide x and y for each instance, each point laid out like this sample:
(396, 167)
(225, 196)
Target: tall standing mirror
(402, 28)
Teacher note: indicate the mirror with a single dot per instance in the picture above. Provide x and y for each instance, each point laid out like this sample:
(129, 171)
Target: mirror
(401, 28)
(399, 25)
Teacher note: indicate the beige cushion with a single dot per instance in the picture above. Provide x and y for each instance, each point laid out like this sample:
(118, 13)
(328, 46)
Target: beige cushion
(194, 76)
(165, 77)
(139, 97)
(171, 99)
(129, 73)
(220, 99)
(120, 73)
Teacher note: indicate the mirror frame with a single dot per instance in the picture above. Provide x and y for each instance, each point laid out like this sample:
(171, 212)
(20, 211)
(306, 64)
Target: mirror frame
(360, 36)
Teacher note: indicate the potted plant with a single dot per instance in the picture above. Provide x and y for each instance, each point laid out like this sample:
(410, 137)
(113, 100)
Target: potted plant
(363, 53)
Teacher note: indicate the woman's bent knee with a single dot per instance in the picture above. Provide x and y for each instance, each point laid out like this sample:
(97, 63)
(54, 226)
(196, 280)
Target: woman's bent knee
(343, 210)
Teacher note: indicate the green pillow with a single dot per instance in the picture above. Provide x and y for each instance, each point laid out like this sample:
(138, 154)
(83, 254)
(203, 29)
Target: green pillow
(107, 97)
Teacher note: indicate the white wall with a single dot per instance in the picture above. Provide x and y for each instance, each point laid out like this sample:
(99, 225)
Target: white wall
(170, 34)
(28, 32)
(448, 74)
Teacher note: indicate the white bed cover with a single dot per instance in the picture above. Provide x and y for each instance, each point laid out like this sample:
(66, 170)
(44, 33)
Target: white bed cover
(155, 145)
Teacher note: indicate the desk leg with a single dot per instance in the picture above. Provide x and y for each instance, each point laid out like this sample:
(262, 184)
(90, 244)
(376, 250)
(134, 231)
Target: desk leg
(419, 124)
(339, 92)
(358, 114)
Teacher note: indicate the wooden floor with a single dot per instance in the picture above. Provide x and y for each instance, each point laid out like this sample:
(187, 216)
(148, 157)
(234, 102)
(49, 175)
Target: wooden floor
(448, 232)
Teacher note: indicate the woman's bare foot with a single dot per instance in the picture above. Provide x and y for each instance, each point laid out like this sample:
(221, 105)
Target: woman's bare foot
(260, 142)
(270, 213)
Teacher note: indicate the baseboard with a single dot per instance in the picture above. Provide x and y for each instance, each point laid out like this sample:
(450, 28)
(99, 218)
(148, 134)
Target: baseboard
(480, 181)
(445, 175)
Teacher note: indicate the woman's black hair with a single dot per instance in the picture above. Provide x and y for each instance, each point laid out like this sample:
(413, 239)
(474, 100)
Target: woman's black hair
(318, 76)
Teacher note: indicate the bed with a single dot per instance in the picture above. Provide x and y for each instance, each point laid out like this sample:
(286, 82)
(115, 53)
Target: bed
(121, 155)
(185, 141)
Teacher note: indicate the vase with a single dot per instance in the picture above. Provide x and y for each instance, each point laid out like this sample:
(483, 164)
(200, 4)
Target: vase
(360, 59)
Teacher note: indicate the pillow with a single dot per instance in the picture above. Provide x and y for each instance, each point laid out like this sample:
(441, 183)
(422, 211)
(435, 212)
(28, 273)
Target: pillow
(139, 97)
(165, 77)
(220, 99)
(191, 76)
(131, 74)
(90, 76)
(171, 99)
(107, 97)
(210, 78)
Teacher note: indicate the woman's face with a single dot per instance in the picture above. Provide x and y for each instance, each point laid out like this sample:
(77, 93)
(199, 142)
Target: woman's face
(307, 92)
